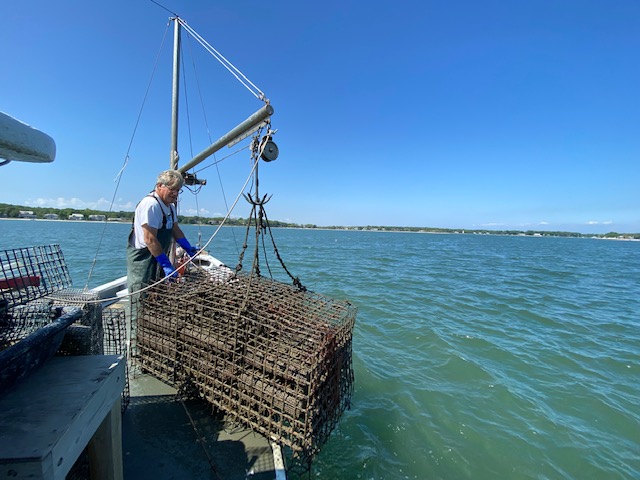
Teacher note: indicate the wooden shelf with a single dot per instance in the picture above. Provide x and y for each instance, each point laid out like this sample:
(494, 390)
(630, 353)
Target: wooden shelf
(48, 418)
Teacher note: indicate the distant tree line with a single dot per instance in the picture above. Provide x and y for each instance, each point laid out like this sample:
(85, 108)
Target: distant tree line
(13, 211)
(541, 233)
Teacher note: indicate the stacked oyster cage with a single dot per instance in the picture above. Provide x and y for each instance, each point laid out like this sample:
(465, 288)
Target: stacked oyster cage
(277, 358)
(41, 315)
(26, 276)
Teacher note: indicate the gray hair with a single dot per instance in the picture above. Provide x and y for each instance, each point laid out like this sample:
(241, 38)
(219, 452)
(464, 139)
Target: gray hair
(171, 179)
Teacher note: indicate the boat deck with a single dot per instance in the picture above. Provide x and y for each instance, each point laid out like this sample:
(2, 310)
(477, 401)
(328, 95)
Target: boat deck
(165, 437)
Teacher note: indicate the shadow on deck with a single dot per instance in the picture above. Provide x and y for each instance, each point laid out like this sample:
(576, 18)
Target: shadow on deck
(166, 438)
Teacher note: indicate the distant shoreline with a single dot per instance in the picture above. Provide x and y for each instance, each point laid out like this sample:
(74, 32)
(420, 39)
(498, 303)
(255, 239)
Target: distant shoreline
(535, 234)
(62, 220)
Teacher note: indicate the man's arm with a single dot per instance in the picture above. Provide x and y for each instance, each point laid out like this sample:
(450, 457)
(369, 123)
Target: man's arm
(176, 231)
(151, 239)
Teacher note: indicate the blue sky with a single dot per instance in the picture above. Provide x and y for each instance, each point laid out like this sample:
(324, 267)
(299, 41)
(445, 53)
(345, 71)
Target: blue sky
(459, 114)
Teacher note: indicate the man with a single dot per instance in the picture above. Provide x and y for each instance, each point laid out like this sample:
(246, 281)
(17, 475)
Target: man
(155, 224)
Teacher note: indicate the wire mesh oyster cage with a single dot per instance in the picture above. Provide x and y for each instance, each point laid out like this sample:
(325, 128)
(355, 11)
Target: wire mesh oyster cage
(31, 328)
(30, 273)
(276, 358)
(27, 275)
(30, 352)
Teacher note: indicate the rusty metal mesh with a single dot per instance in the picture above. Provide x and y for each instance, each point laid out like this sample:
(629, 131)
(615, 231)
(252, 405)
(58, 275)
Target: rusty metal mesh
(276, 358)
(91, 321)
(99, 331)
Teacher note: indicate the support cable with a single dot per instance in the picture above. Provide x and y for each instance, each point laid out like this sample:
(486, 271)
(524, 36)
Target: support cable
(190, 261)
(259, 216)
(248, 84)
(208, 130)
(127, 157)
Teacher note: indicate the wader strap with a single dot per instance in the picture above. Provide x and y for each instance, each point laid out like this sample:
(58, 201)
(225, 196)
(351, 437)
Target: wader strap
(164, 215)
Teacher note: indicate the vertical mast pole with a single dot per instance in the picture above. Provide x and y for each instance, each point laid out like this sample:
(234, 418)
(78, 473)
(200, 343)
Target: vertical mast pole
(175, 94)
(173, 160)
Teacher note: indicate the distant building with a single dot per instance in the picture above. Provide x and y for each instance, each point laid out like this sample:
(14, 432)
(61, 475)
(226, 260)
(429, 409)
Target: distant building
(26, 214)
(51, 216)
(76, 216)
(97, 218)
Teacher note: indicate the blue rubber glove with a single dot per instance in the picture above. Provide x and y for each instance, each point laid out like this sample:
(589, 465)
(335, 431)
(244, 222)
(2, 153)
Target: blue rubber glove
(186, 246)
(165, 263)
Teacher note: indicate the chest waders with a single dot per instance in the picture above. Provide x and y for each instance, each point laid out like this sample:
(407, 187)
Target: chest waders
(143, 269)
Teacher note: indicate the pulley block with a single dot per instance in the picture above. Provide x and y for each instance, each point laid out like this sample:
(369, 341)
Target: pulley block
(191, 179)
(269, 151)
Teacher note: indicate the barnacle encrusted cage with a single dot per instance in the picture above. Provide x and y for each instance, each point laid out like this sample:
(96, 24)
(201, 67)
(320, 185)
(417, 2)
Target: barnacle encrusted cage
(276, 357)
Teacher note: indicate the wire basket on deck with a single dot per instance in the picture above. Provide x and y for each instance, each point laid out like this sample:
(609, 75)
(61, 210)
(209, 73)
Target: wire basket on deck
(68, 322)
(30, 273)
(31, 328)
(277, 358)
(98, 331)
(27, 275)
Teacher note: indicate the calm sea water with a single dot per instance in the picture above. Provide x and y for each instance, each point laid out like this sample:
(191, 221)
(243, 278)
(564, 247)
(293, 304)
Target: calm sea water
(476, 357)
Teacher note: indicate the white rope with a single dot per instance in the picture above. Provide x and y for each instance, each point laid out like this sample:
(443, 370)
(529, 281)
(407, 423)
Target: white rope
(249, 85)
(190, 261)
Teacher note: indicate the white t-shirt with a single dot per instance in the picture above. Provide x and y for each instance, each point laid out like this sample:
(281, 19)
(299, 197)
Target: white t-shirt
(149, 212)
